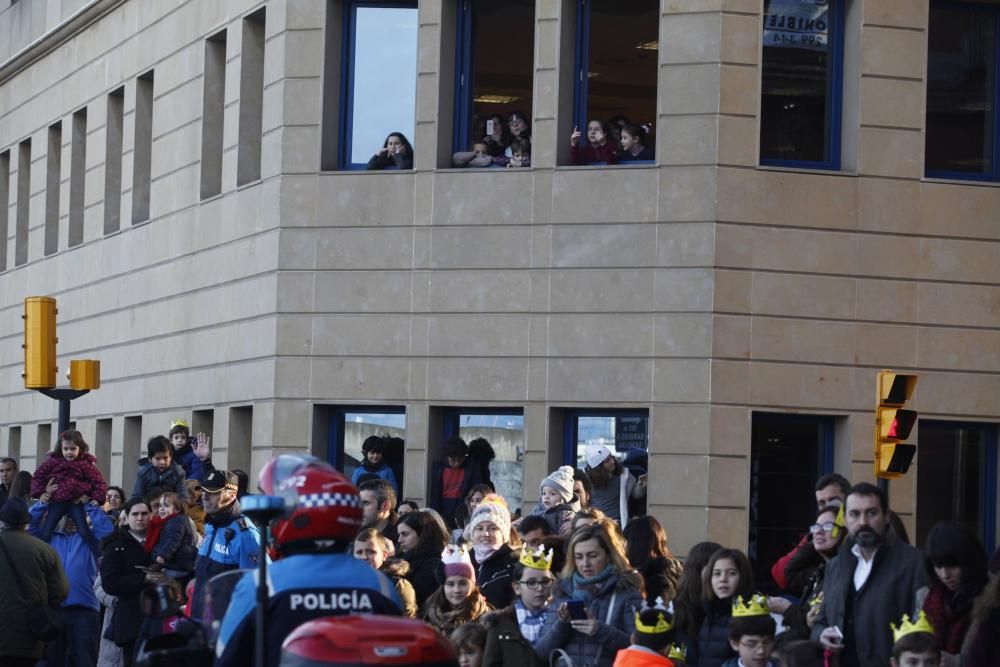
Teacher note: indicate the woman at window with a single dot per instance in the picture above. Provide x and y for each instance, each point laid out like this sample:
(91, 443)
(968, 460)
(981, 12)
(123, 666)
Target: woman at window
(598, 150)
(604, 593)
(496, 135)
(396, 153)
(519, 129)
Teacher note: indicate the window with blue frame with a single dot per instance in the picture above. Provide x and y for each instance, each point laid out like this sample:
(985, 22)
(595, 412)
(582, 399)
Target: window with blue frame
(503, 429)
(493, 74)
(957, 478)
(801, 83)
(962, 91)
(349, 427)
(617, 46)
(379, 80)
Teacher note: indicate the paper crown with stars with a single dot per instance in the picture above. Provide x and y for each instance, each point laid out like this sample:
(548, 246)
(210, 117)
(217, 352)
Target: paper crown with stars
(178, 422)
(662, 624)
(678, 652)
(538, 559)
(906, 627)
(757, 606)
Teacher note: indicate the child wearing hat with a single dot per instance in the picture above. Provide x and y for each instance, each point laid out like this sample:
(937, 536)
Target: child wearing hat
(458, 600)
(511, 633)
(652, 639)
(612, 484)
(557, 503)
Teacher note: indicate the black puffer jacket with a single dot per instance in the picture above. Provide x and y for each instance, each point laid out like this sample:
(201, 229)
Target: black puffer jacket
(423, 574)
(123, 554)
(712, 647)
(494, 576)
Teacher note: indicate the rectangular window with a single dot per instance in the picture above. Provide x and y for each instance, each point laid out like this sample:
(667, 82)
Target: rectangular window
(251, 99)
(203, 421)
(616, 69)
(503, 431)
(132, 450)
(4, 206)
(957, 478)
(142, 155)
(53, 169)
(240, 438)
(962, 92)
(43, 442)
(23, 202)
(14, 442)
(113, 161)
(493, 83)
(77, 177)
(102, 447)
(349, 427)
(213, 114)
(801, 83)
(380, 82)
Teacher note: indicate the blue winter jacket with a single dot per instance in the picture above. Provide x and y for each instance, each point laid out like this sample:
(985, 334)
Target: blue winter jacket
(77, 559)
(172, 479)
(194, 467)
(384, 472)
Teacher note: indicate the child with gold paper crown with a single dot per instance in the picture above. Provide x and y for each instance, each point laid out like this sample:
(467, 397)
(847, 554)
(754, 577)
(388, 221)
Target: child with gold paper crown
(653, 640)
(914, 644)
(751, 633)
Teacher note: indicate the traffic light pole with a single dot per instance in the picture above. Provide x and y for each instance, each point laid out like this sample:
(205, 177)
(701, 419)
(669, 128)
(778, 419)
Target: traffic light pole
(883, 486)
(64, 396)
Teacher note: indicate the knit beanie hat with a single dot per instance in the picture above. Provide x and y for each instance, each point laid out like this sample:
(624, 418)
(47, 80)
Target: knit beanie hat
(457, 563)
(597, 454)
(560, 481)
(492, 508)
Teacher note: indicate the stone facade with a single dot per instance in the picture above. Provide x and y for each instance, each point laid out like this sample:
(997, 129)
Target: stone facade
(701, 289)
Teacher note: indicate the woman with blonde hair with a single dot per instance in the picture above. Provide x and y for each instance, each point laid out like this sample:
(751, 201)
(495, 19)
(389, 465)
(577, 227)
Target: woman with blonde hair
(596, 600)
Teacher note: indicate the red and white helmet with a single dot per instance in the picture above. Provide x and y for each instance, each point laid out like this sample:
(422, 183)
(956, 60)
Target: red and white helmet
(323, 504)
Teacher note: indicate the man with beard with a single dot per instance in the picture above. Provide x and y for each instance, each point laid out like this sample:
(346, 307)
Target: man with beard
(876, 579)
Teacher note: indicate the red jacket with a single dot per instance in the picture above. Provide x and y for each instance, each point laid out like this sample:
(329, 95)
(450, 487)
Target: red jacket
(589, 154)
(75, 478)
(778, 569)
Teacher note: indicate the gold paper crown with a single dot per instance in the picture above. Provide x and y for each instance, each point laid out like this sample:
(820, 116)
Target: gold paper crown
(756, 607)
(178, 422)
(906, 627)
(538, 559)
(662, 625)
(678, 652)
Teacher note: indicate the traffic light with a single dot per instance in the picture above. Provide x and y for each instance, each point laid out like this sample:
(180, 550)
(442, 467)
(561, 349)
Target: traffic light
(39, 342)
(893, 424)
(84, 374)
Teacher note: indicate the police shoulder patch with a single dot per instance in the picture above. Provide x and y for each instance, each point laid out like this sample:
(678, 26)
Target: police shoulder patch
(242, 523)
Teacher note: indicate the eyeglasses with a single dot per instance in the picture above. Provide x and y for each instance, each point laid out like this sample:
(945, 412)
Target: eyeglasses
(753, 644)
(826, 527)
(536, 584)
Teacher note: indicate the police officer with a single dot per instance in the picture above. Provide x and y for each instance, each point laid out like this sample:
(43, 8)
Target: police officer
(315, 575)
(231, 540)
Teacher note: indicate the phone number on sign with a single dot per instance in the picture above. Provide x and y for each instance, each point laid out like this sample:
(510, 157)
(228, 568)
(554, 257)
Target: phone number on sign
(798, 40)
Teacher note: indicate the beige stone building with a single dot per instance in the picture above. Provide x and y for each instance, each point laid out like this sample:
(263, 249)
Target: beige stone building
(177, 174)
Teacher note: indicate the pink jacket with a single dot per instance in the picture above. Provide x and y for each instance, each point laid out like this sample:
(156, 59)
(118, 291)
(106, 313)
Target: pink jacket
(75, 478)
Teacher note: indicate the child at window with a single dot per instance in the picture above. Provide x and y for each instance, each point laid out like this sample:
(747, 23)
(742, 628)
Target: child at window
(496, 135)
(396, 153)
(372, 449)
(71, 473)
(598, 149)
(457, 601)
(479, 156)
(170, 538)
(520, 153)
(519, 129)
(634, 148)
(160, 470)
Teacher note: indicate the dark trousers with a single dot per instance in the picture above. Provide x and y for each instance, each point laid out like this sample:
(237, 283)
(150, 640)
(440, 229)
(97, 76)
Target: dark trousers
(81, 636)
(78, 514)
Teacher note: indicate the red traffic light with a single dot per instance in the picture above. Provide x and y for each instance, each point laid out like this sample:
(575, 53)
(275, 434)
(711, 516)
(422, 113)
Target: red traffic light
(902, 424)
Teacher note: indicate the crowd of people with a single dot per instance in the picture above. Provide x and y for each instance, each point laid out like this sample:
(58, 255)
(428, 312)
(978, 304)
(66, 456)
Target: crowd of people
(507, 143)
(580, 579)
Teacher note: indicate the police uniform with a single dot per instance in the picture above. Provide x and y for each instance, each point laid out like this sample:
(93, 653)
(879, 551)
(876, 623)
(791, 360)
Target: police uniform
(302, 588)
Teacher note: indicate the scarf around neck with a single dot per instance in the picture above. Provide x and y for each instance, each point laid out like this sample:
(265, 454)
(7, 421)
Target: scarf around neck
(586, 588)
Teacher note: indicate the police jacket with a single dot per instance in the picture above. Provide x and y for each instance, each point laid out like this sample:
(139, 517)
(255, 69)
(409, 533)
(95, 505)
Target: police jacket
(231, 542)
(302, 588)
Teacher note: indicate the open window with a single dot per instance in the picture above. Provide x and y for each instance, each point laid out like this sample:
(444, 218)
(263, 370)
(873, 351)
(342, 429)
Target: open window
(379, 80)
(802, 82)
(493, 73)
(503, 429)
(349, 427)
(617, 58)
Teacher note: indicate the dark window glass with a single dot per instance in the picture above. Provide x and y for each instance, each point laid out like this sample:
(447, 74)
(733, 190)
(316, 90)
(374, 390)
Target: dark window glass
(800, 96)
(956, 478)
(495, 66)
(381, 77)
(961, 77)
(617, 66)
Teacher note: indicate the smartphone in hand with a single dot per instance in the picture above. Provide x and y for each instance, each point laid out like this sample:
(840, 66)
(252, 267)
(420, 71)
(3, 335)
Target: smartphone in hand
(577, 610)
(490, 126)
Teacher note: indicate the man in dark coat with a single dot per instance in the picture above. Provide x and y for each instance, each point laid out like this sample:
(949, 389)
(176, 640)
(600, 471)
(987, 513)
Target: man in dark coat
(8, 470)
(41, 576)
(451, 481)
(873, 580)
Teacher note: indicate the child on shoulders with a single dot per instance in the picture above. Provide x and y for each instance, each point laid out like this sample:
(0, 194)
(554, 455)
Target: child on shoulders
(160, 470)
(193, 454)
(557, 503)
(170, 539)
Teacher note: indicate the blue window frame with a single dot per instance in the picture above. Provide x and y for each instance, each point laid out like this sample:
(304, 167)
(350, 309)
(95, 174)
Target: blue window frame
(617, 67)
(620, 430)
(490, 78)
(963, 137)
(503, 428)
(802, 83)
(957, 478)
(379, 77)
(348, 426)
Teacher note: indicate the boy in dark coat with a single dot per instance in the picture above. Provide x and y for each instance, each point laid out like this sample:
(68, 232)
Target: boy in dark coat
(160, 470)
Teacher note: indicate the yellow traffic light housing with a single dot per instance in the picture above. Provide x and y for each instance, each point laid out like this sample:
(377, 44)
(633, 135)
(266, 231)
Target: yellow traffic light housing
(85, 374)
(39, 342)
(893, 424)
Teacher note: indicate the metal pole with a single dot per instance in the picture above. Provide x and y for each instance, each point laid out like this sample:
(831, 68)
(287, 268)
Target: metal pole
(883, 485)
(64, 396)
(63, 414)
(260, 632)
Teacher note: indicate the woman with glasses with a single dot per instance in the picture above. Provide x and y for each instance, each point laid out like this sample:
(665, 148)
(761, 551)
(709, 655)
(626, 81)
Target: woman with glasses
(805, 573)
(511, 633)
(596, 600)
